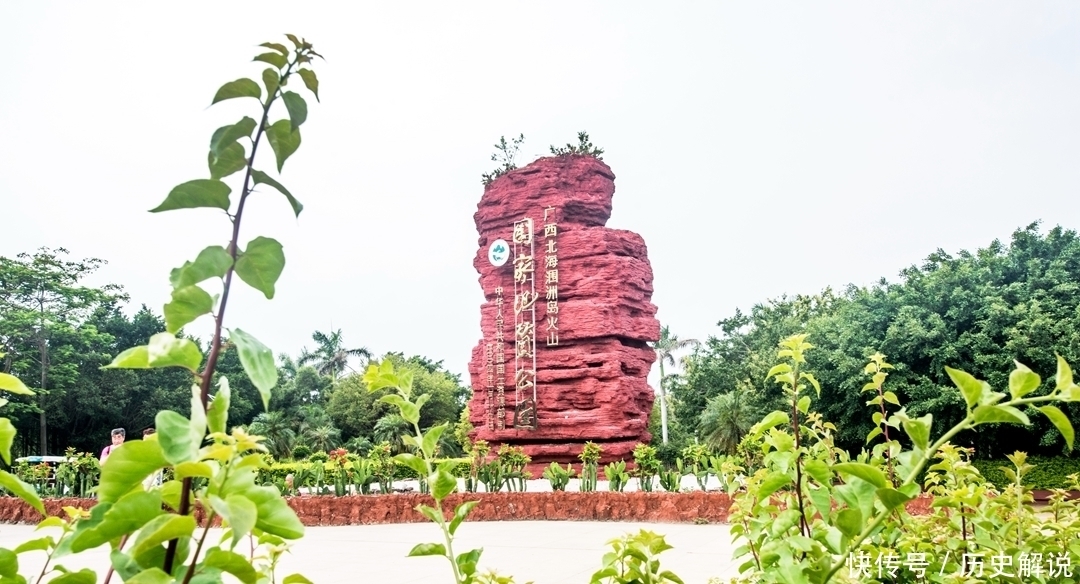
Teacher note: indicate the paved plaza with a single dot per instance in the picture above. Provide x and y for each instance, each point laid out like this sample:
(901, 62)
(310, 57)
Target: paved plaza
(544, 552)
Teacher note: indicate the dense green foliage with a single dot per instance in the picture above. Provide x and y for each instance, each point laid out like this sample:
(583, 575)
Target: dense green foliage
(812, 513)
(975, 311)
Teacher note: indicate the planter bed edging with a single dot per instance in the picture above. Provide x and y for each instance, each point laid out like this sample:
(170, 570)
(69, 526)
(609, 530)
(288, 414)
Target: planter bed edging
(313, 510)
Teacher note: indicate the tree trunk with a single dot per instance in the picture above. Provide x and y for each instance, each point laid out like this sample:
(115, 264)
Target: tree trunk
(663, 405)
(44, 349)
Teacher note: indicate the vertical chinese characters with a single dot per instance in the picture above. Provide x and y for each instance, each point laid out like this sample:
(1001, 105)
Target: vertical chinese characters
(551, 276)
(525, 296)
(499, 420)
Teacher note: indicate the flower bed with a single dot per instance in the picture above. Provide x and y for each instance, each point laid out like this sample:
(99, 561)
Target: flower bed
(539, 506)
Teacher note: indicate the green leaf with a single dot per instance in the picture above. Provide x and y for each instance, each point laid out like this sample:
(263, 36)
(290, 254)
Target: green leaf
(873, 434)
(7, 438)
(174, 434)
(892, 498)
(232, 159)
(443, 485)
(239, 88)
(11, 384)
(408, 410)
(284, 139)
(294, 40)
(133, 358)
(160, 530)
(232, 562)
(263, 178)
(83, 576)
(1064, 377)
(165, 350)
(33, 545)
(460, 513)
(188, 303)
(258, 362)
(296, 579)
(772, 419)
(1061, 422)
(310, 80)
(197, 427)
(970, 387)
(431, 439)
(217, 414)
(992, 414)
(297, 108)
(239, 511)
(864, 471)
(260, 265)
(412, 461)
(9, 563)
(274, 59)
(891, 398)
(212, 262)
(918, 430)
(125, 516)
(849, 521)
(150, 576)
(428, 549)
(804, 404)
(275, 515)
(225, 136)
(127, 466)
(772, 483)
(125, 565)
(194, 469)
(1023, 381)
(195, 194)
(21, 490)
(170, 493)
(277, 47)
(778, 369)
(822, 501)
(819, 470)
(272, 81)
(813, 381)
(430, 512)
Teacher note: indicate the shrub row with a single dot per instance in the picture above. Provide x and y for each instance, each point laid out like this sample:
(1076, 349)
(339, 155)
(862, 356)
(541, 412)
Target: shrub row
(1049, 472)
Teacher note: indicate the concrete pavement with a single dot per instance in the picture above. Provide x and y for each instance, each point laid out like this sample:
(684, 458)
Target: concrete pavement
(544, 552)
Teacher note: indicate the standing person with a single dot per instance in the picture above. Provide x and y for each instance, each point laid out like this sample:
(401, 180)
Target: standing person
(155, 478)
(118, 436)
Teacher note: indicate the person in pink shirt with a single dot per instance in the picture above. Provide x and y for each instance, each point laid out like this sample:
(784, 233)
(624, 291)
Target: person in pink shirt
(118, 436)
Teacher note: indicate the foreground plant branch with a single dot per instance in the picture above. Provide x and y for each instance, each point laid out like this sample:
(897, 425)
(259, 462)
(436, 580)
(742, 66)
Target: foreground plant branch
(813, 509)
(214, 468)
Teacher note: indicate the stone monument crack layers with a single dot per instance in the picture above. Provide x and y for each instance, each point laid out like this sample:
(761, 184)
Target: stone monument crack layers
(567, 316)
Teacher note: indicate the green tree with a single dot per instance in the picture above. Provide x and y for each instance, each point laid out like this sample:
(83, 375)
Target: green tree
(979, 310)
(43, 297)
(665, 349)
(330, 356)
(277, 429)
(726, 419)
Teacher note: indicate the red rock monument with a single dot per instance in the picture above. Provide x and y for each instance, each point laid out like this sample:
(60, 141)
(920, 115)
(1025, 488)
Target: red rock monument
(567, 318)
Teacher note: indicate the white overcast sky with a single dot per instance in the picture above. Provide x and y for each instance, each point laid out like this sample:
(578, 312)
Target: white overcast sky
(759, 148)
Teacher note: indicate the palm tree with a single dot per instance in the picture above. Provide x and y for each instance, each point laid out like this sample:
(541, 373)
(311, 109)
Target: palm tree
(390, 428)
(324, 438)
(273, 426)
(726, 419)
(331, 357)
(665, 349)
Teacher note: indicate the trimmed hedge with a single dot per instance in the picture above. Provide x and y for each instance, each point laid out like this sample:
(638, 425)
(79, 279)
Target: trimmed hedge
(1049, 472)
(277, 471)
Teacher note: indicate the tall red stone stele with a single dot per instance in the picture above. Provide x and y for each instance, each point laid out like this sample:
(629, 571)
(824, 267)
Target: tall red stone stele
(569, 316)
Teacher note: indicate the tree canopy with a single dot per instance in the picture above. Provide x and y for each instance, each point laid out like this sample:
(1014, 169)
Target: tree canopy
(973, 311)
